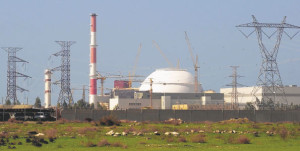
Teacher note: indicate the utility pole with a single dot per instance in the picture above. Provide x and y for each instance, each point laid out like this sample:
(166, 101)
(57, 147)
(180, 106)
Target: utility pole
(234, 84)
(151, 82)
(12, 74)
(269, 79)
(83, 93)
(65, 95)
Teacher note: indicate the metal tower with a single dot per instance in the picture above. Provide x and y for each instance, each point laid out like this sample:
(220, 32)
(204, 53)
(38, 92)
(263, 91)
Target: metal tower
(12, 74)
(269, 80)
(65, 95)
(234, 84)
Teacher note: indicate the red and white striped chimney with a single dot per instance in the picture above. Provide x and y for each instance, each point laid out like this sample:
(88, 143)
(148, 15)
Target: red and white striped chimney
(93, 61)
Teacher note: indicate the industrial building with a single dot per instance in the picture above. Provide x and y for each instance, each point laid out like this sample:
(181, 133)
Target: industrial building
(245, 95)
(162, 89)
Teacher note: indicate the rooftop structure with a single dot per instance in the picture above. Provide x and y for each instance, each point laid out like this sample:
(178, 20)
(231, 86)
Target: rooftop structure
(170, 80)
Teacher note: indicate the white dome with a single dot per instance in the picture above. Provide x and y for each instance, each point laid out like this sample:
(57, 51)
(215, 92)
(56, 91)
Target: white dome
(170, 81)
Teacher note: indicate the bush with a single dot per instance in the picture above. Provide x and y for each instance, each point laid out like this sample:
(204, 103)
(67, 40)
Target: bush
(243, 139)
(229, 140)
(170, 139)
(283, 132)
(109, 121)
(62, 121)
(117, 144)
(200, 138)
(103, 142)
(89, 144)
(13, 120)
(182, 139)
(39, 122)
(88, 119)
(4, 135)
(85, 130)
(142, 143)
(51, 133)
(15, 136)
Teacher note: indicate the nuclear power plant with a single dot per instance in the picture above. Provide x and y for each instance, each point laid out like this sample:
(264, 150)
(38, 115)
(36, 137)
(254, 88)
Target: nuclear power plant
(170, 88)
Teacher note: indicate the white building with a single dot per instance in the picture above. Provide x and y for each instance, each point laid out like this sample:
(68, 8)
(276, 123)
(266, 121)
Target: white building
(292, 94)
(169, 86)
(170, 80)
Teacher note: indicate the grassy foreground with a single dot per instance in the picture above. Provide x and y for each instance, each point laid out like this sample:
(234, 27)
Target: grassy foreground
(235, 134)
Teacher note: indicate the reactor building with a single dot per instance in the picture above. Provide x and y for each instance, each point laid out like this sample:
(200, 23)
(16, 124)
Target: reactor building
(161, 90)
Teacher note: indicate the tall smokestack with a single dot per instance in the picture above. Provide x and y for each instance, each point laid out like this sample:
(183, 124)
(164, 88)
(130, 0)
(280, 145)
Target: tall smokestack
(93, 61)
(47, 88)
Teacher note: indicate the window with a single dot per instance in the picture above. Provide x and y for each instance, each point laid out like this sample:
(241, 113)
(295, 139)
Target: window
(134, 104)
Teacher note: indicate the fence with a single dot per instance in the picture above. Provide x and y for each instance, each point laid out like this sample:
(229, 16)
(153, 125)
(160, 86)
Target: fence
(185, 115)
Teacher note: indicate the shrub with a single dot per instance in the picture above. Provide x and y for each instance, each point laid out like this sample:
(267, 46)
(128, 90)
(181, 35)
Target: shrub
(229, 140)
(117, 144)
(15, 136)
(255, 126)
(170, 139)
(93, 123)
(283, 132)
(62, 121)
(109, 121)
(51, 133)
(12, 120)
(182, 139)
(36, 142)
(85, 130)
(103, 142)
(88, 119)
(4, 135)
(51, 140)
(142, 142)
(89, 144)
(39, 122)
(69, 129)
(256, 134)
(124, 146)
(200, 138)
(243, 139)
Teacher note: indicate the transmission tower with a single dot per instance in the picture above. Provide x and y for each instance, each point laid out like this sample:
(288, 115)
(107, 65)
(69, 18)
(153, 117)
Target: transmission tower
(65, 95)
(234, 84)
(12, 74)
(269, 80)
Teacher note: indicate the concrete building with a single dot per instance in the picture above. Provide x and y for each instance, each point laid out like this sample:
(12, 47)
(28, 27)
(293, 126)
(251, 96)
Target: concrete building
(169, 86)
(163, 100)
(244, 95)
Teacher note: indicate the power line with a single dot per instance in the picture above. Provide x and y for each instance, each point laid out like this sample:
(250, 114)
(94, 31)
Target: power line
(269, 79)
(65, 95)
(12, 74)
(234, 84)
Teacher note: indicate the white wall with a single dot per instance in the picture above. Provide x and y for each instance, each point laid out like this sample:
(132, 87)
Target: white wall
(244, 95)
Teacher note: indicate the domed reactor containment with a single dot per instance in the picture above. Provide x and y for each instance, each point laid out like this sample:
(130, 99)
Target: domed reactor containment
(170, 80)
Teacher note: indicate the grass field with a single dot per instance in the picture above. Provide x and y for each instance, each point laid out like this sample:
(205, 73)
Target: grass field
(235, 134)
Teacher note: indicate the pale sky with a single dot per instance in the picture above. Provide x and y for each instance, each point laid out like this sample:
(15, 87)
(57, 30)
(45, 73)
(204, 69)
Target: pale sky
(34, 25)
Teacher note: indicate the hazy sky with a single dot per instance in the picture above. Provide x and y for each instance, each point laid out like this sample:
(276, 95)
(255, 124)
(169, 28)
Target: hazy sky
(34, 25)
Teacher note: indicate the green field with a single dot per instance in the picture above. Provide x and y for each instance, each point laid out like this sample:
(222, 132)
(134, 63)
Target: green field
(239, 134)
